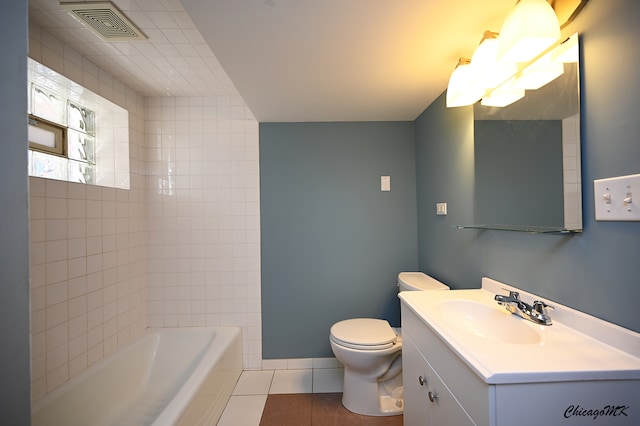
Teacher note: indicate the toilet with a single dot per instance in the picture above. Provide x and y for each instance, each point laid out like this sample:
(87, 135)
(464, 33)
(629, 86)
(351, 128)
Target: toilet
(371, 353)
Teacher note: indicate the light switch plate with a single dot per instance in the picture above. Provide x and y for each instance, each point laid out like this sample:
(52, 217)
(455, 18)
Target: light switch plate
(385, 183)
(441, 209)
(617, 198)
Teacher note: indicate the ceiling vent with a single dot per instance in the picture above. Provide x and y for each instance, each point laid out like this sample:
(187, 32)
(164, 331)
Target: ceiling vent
(105, 19)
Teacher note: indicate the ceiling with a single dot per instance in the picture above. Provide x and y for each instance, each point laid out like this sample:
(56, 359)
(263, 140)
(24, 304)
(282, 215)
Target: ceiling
(290, 60)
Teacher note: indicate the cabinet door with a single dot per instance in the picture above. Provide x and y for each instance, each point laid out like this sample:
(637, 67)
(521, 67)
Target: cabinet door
(427, 401)
(415, 380)
(445, 409)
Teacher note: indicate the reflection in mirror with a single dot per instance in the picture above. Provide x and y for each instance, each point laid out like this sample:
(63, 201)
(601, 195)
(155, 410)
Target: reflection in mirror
(527, 158)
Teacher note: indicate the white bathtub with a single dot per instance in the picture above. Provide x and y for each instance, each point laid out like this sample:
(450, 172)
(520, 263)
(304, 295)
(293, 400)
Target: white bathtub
(173, 376)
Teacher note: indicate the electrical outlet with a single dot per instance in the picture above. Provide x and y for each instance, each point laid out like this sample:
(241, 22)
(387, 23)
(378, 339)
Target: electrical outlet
(441, 209)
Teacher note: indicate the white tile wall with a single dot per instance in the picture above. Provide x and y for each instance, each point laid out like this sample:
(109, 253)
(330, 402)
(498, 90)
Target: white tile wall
(181, 248)
(88, 246)
(571, 172)
(174, 59)
(204, 216)
(88, 277)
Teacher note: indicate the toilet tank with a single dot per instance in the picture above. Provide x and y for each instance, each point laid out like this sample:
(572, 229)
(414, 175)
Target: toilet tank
(417, 281)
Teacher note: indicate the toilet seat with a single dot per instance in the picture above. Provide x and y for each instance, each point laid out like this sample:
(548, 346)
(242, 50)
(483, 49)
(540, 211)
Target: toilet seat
(364, 334)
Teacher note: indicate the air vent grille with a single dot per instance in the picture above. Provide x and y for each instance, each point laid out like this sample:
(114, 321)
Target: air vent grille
(106, 20)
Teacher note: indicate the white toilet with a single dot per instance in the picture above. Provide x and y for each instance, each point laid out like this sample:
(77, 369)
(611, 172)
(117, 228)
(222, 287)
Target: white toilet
(371, 352)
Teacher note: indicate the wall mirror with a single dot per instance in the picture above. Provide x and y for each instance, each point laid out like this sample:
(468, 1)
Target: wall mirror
(527, 158)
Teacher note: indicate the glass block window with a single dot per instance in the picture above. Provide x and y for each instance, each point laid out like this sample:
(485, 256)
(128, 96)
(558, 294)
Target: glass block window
(82, 172)
(48, 166)
(81, 119)
(48, 105)
(77, 143)
(81, 146)
(75, 134)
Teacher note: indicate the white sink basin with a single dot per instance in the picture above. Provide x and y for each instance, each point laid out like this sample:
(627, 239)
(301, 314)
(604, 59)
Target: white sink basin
(490, 322)
(504, 348)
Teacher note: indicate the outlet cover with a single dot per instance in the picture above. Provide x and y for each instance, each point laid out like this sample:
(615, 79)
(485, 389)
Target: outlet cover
(441, 209)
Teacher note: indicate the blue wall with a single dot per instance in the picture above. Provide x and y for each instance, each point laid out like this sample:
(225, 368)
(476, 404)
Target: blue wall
(332, 242)
(593, 271)
(15, 395)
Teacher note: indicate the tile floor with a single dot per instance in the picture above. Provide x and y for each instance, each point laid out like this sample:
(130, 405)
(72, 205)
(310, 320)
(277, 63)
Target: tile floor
(316, 409)
(293, 397)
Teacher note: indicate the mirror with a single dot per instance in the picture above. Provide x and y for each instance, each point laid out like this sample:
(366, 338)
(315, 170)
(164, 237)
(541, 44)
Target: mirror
(527, 158)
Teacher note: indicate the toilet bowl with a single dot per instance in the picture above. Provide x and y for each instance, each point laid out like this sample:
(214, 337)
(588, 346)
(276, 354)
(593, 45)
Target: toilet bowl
(371, 353)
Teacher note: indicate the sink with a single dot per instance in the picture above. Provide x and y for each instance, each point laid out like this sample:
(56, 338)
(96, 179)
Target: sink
(504, 348)
(489, 322)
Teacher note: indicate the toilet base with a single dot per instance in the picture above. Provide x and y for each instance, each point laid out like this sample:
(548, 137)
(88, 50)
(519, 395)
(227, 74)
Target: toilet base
(371, 398)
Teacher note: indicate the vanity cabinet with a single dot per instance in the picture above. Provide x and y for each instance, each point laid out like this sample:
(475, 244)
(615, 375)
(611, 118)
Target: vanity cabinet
(431, 371)
(462, 397)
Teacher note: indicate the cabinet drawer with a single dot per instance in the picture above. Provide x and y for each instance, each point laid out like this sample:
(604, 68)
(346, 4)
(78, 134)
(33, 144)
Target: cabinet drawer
(467, 387)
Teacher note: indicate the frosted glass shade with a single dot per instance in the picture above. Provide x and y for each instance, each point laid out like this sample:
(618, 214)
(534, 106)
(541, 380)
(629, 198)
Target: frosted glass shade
(490, 73)
(462, 89)
(530, 28)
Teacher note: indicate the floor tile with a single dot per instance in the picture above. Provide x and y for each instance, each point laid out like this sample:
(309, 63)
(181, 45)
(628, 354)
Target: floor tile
(291, 402)
(328, 380)
(243, 410)
(254, 382)
(329, 411)
(324, 409)
(288, 410)
(292, 381)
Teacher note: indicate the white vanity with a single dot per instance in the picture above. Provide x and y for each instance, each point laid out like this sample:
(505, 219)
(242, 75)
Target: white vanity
(467, 361)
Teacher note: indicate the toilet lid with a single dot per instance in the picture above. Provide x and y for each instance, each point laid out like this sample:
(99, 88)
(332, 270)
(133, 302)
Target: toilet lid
(364, 334)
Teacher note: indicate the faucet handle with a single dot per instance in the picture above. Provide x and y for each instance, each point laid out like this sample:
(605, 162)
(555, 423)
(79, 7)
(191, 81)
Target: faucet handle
(540, 312)
(512, 294)
(539, 306)
(513, 297)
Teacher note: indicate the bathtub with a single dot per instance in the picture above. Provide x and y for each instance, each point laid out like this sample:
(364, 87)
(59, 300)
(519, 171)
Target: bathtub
(168, 376)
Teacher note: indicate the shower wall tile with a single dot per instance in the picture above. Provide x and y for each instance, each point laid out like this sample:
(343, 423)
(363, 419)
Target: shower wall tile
(204, 216)
(88, 245)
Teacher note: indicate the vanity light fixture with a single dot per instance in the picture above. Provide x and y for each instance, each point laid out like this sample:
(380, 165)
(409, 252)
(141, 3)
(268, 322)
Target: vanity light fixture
(504, 95)
(527, 31)
(527, 48)
(490, 73)
(567, 52)
(541, 72)
(462, 89)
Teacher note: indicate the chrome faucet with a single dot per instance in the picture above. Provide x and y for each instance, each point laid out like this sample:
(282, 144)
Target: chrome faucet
(536, 313)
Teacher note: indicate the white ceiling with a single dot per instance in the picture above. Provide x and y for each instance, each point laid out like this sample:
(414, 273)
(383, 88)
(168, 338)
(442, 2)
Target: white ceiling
(334, 60)
(290, 60)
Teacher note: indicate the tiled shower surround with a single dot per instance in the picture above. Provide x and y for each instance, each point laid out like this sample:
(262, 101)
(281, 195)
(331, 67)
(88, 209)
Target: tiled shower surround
(180, 248)
(88, 280)
(203, 212)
